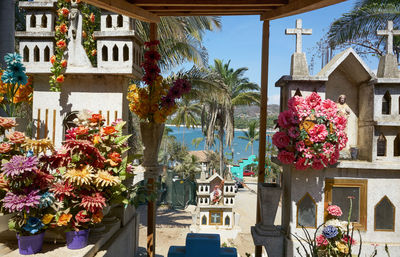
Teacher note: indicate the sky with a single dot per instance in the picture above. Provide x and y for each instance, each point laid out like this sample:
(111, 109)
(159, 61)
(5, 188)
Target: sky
(239, 40)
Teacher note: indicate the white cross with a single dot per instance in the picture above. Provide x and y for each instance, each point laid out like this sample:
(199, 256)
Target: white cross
(389, 32)
(215, 217)
(298, 31)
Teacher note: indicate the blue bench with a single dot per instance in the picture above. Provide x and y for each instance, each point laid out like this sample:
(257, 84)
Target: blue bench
(200, 245)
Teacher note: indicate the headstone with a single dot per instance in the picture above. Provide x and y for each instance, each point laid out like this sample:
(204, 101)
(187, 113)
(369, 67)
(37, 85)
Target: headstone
(388, 66)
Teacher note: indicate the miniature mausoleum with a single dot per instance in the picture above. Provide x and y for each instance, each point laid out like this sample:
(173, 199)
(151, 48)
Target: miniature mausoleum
(100, 89)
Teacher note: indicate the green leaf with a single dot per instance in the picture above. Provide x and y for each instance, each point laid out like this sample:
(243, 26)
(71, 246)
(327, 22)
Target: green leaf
(121, 140)
(76, 158)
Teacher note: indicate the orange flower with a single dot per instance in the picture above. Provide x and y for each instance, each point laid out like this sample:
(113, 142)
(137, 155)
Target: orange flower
(84, 34)
(94, 52)
(63, 28)
(96, 139)
(63, 12)
(115, 158)
(4, 147)
(64, 219)
(17, 137)
(53, 59)
(97, 217)
(3, 183)
(81, 131)
(7, 123)
(96, 118)
(60, 79)
(64, 63)
(108, 130)
(92, 17)
(61, 44)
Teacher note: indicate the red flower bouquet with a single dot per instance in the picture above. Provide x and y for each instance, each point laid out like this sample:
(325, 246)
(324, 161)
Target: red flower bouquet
(312, 133)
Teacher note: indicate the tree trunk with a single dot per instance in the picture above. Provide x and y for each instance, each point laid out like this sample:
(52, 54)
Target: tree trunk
(183, 137)
(221, 154)
(252, 153)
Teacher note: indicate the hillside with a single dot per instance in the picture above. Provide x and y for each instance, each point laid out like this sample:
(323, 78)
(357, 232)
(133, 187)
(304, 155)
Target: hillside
(244, 114)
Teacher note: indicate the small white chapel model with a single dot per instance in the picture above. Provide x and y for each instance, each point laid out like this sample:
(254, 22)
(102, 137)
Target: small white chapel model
(215, 201)
(100, 89)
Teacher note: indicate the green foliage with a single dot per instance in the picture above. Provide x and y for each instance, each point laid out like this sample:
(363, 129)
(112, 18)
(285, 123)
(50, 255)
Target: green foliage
(188, 167)
(251, 135)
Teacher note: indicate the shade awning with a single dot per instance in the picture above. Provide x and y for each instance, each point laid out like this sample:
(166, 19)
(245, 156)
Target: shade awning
(151, 10)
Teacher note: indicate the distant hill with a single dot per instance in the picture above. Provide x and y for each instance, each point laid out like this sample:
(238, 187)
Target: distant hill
(245, 111)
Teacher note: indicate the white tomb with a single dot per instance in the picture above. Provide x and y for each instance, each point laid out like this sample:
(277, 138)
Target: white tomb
(101, 89)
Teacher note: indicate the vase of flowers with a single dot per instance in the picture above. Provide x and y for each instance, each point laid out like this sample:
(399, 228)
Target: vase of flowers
(311, 133)
(77, 239)
(151, 137)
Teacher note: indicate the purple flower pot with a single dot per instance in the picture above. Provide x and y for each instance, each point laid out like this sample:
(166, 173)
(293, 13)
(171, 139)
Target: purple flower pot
(30, 244)
(77, 239)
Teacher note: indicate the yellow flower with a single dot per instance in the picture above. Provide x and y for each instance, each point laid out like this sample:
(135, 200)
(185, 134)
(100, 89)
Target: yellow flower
(47, 218)
(159, 117)
(105, 179)
(82, 176)
(64, 219)
(97, 217)
(343, 248)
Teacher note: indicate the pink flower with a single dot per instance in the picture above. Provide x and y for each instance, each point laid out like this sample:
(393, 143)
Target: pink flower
(303, 111)
(308, 153)
(330, 108)
(301, 164)
(321, 240)
(294, 132)
(340, 123)
(334, 157)
(294, 102)
(317, 164)
(328, 148)
(334, 210)
(342, 140)
(286, 157)
(280, 139)
(284, 119)
(318, 133)
(346, 239)
(313, 100)
(300, 146)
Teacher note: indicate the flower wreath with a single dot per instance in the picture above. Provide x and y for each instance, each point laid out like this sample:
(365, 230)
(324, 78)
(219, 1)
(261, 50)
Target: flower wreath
(88, 25)
(312, 133)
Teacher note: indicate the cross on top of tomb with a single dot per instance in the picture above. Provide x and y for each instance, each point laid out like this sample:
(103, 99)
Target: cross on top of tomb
(389, 33)
(298, 31)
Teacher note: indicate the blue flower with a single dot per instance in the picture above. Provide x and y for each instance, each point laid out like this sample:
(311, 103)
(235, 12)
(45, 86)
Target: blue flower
(16, 67)
(330, 231)
(46, 200)
(8, 77)
(29, 153)
(12, 58)
(33, 225)
(20, 78)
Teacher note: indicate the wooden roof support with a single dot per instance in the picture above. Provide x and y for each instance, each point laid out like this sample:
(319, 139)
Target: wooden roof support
(125, 8)
(263, 120)
(296, 7)
(195, 3)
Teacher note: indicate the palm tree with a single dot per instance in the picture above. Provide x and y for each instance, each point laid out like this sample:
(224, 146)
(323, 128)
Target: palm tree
(189, 167)
(250, 135)
(358, 28)
(218, 109)
(187, 114)
(181, 38)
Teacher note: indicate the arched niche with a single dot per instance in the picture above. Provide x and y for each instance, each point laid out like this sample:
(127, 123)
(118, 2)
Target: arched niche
(126, 53)
(204, 220)
(227, 220)
(307, 212)
(36, 54)
(298, 92)
(26, 54)
(44, 21)
(386, 103)
(396, 145)
(46, 54)
(104, 53)
(108, 21)
(381, 145)
(120, 21)
(115, 53)
(33, 21)
(385, 215)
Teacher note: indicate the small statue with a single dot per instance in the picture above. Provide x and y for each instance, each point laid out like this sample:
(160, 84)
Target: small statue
(216, 195)
(73, 17)
(343, 108)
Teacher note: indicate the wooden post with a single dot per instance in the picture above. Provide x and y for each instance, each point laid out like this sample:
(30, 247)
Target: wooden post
(263, 120)
(151, 206)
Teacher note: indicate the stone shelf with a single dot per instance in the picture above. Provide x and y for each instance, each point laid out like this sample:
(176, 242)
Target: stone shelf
(377, 165)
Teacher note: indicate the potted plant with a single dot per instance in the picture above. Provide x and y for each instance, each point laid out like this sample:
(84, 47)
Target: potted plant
(311, 133)
(27, 199)
(15, 87)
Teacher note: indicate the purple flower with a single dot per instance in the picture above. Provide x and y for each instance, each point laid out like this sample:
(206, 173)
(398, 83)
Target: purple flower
(18, 165)
(175, 91)
(167, 101)
(13, 202)
(184, 85)
(330, 231)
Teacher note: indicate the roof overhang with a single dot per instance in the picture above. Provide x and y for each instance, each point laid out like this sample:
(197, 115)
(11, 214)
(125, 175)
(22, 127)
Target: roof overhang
(152, 10)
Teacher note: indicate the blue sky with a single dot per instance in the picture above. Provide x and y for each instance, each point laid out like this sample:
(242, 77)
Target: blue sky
(239, 40)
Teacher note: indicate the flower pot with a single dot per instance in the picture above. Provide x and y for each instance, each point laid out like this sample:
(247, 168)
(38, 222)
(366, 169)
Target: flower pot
(30, 244)
(270, 195)
(354, 153)
(151, 137)
(77, 239)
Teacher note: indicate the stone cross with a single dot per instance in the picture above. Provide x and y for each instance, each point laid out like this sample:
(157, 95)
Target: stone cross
(298, 31)
(389, 32)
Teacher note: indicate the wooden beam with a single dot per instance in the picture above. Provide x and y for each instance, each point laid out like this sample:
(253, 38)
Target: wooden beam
(263, 121)
(125, 8)
(156, 9)
(206, 13)
(296, 7)
(195, 3)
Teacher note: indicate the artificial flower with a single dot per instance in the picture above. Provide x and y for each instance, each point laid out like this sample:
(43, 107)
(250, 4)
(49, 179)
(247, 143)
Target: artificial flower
(94, 52)
(12, 58)
(93, 203)
(280, 139)
(321, 240)
(5, 147)
(53, 59)
(63, 12)
(286, 157)
(92, 18)
(47, 218)
(105, 179)
(61, 44)
(97, 217)
(64, 63)
(96, 139)
(19, 165)
(62, 190)
(16, 137)
(346, 239)
(96, 118)
(334, 210)
(17, 203)
(108, 130)
(79, 176)
(114, 159)
(330, 232)
(343, 248)
(64, 219)
(3, 183)
(33, 225)
(7, 123)
(46, 200)
(60, 78)
(82, 217)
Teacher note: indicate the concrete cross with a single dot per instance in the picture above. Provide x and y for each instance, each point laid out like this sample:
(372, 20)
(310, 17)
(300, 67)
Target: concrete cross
(389, 32)
(298, 31)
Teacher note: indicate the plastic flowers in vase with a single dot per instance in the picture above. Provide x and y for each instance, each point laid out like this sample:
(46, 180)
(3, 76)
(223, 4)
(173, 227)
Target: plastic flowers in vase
(11, 142)
(155, 100)
(28, 200)
(15, 87)
(312, 133)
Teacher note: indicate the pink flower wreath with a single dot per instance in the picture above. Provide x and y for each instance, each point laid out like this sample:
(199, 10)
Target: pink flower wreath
(312, 133)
